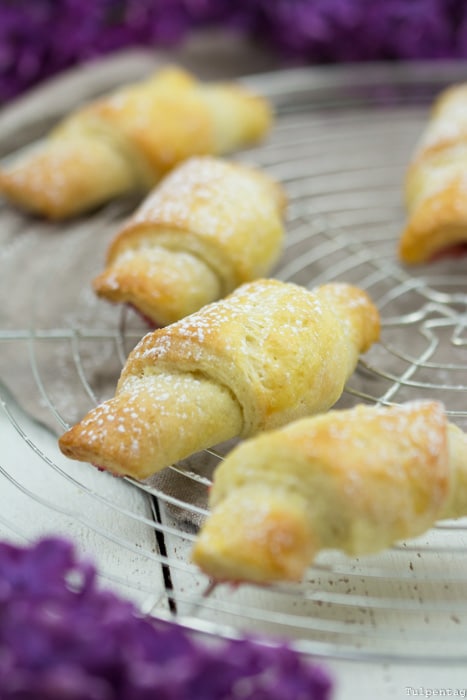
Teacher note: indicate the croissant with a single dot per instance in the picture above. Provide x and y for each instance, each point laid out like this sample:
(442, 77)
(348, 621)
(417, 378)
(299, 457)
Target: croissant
(356, 480)
(129, 139)
(209, 226)
(435, 184)
(266, 354)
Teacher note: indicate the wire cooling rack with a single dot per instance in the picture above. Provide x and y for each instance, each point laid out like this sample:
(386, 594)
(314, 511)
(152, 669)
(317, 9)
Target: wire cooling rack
(340, 146)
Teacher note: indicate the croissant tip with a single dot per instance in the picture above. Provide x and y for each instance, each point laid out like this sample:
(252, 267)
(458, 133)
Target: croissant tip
(105, 284)
(65, 445)
(73, 446)
(70, 446)
(254, 536)
(421, 255)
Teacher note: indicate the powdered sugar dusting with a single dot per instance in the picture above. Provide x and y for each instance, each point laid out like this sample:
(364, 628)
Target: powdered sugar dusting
(280, 349)
(219, 194)
(255, 306)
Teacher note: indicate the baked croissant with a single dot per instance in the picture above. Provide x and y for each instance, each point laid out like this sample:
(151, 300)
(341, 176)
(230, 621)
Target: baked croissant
(129, 139)
(268, 353)
(435, 183)
(356, 480)
(210, 226)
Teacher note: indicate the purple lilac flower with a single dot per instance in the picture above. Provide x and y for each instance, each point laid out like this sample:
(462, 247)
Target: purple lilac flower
(64, 638)
(41, 38)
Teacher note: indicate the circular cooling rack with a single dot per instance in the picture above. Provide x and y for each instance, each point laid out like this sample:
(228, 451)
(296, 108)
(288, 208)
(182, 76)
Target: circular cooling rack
(340, 147)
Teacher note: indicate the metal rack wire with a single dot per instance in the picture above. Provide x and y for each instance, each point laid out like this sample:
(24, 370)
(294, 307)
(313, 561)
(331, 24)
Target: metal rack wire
(340, 146)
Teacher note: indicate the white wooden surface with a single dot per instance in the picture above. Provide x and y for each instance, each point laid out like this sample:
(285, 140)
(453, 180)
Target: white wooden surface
(36, 499)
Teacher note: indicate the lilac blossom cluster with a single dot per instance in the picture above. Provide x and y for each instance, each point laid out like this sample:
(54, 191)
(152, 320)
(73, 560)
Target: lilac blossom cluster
(64, 638)
(41, 38)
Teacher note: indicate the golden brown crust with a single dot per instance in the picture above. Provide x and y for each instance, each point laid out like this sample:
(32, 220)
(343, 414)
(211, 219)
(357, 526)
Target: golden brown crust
(254, 536)
(162, 120)
(356, 480)
(437, 225)
(456, 505)
(210, 226)
(154, 423)
(164, 286)
(54, 179)
(282, 350)
(267, 354)
(436, 182)
(128, 140)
